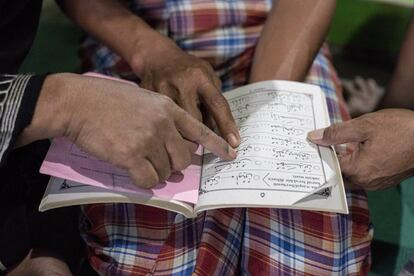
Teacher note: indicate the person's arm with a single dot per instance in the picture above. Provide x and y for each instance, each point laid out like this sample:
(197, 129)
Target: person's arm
(384, 152)
(400, 90)
(293, 34)
(156, 60)
(145, 133)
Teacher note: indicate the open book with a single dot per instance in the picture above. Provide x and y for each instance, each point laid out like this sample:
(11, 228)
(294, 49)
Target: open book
(276, 167)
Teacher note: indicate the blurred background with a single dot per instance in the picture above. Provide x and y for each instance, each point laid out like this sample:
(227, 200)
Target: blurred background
(365, 38)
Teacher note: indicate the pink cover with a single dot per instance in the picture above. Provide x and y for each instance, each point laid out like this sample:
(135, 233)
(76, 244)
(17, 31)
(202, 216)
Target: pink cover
(65, 160)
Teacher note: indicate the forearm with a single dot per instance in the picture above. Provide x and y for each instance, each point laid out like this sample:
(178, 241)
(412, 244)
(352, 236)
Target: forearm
(112, 23)
(401, 88)
(291, 37)
(51, 113)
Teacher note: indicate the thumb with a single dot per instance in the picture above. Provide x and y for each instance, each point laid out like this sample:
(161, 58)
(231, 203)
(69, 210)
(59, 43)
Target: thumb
(348, 163)
(341, 133)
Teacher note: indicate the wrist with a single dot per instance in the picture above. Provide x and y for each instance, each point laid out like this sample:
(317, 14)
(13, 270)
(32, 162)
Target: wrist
(51, 115)
(147, 51)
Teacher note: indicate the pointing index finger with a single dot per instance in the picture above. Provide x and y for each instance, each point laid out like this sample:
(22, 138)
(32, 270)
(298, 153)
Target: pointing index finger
(217, 105)
(193, 130)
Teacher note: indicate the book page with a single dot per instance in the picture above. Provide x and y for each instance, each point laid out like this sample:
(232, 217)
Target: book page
(276, 164)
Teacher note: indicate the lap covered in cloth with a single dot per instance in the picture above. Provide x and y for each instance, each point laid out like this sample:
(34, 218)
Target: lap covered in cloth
(127, 239)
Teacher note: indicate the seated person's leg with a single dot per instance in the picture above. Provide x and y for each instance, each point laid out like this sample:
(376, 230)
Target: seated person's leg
(317, 243)
(139, 239)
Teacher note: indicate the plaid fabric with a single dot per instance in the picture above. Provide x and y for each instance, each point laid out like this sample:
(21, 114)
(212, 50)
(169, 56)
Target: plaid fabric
(126, 239)
(222, 32)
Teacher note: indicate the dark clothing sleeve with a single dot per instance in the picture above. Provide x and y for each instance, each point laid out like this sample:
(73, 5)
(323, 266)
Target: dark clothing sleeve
(22, 226)
(19, 20)
(18, 97)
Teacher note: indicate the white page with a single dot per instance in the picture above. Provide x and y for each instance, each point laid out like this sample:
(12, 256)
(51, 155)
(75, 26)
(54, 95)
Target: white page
(276, 164)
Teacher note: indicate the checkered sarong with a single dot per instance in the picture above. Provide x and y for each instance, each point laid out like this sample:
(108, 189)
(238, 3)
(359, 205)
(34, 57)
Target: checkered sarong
(127, 239)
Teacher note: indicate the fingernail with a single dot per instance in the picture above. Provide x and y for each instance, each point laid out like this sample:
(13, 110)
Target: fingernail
(233, 140)
(232, 153)
(316, 135)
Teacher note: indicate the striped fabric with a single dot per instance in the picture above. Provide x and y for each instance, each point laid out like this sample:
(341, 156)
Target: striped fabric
(126, 239)
(18, 94)
(12, 88)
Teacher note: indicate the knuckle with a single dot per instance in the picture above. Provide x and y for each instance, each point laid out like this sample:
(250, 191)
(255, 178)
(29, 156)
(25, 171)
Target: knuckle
(367, 122)
(165, 101)
(125, 151)
(331, 133)
(208, 67)
(161, 121)
(163, 127)
(148, 135)
(198, 72)
(217, 101)
(204, 131)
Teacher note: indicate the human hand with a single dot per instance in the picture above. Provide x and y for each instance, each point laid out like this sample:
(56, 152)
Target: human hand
(187, 80)
(140, 131)
(384, 152)
(362, 96)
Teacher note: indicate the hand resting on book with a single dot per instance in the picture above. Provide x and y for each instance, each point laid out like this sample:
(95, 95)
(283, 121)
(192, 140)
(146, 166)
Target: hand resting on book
(189, 81)
(140, 131)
